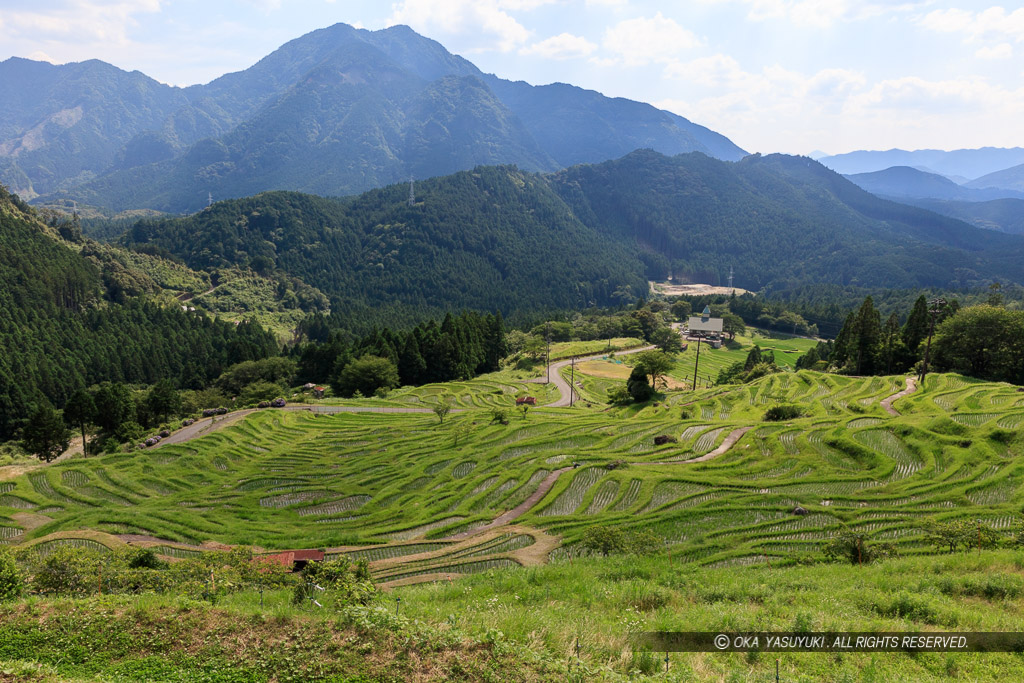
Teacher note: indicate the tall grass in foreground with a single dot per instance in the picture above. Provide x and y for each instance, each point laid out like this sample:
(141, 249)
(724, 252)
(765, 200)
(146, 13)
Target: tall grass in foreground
(602, 600)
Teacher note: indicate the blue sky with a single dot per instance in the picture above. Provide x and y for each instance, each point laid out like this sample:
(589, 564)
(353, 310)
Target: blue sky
(789, 76)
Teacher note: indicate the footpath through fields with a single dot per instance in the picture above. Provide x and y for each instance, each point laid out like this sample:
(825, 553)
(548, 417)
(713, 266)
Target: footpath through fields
(887, 401)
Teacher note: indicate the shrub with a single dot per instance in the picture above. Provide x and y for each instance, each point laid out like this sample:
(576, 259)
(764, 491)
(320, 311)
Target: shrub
(10, 578)
(782, 413)
(614, 541)
(857, 548)
(499, 416)
(339, 582)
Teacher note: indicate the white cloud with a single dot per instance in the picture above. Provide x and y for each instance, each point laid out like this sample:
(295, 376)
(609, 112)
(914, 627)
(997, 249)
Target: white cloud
(483, 24)
(607, 3)
(1000, 51)
(75, 21)
(41, 56)
(994, 22)
(562, 46)
(640, 41)
(821, 13)
(839, 109)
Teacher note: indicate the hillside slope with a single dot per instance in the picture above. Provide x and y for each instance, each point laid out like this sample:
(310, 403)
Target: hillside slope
(492, 239)
(778, 220)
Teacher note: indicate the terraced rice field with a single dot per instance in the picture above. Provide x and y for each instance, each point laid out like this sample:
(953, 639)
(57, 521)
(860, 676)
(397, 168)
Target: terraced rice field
(395, 488)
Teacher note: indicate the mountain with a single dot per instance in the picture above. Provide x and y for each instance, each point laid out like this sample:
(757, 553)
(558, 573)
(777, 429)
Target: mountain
(1004, 215)
(961, 163)
(1006, 179)
(495, 238)
(501, 238)
(335, 112)
(901, 182)
(779, 221)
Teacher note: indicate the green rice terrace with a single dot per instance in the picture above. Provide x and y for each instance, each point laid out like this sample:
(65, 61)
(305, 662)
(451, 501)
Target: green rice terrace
(423, 500)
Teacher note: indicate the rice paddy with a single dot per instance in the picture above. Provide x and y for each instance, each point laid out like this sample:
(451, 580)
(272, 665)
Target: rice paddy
(389, 486)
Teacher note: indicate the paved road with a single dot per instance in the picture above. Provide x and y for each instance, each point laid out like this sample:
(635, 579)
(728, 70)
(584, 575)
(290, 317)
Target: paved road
(563, 387)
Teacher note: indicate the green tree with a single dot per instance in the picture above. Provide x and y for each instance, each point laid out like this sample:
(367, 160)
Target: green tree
(655, 364)
(163, 399)
(915, 330)
(45, 433)
(667, 340)
(857, 548)
(982, 341)
(681, 309)
(114, 406)
(638, 386)
(892, 345)
(867, 337)
(366, 375)
(79, 411)
(732, 325)
(443, 407)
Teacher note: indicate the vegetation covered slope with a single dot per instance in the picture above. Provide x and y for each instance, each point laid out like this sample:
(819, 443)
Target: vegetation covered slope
(66, 323)
(499, 238)
(492, 239)
(780, 221)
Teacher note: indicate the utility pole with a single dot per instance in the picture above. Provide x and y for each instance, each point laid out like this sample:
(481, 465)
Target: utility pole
(696, 364)
(547, 351)
(935, 307)
(572, 380)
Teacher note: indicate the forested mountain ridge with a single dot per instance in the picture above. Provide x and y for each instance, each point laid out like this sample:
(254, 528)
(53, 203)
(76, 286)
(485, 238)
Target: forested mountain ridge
(501, 239)
(337, 111)
(60, 330)
(491, 239)
(780, 221)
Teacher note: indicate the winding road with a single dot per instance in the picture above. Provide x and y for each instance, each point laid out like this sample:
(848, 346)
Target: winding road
(564, 390)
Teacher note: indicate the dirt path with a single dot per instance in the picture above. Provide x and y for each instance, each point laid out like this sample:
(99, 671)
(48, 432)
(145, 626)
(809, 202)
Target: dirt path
(563, 387)
(887, 402)
(730, 441)
(517, 511)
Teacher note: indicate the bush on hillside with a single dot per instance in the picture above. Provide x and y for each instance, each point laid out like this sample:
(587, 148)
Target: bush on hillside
(335, 582)
(608, 540)
(782, 413)
(857, 548)
(11, 581)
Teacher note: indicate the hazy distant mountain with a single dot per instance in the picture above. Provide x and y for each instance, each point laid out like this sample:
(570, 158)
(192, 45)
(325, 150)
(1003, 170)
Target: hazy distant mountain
(963, 163)
(1007, 179)
(1004, 215)
(901, 182)
(337, 111)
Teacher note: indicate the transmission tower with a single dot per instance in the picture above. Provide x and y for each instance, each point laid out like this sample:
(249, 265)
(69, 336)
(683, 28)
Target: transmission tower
(412, 192)
(730, 277)
(209, 199)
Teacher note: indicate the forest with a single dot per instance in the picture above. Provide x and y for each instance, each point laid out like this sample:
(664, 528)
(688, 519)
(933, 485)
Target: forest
(60, 333)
